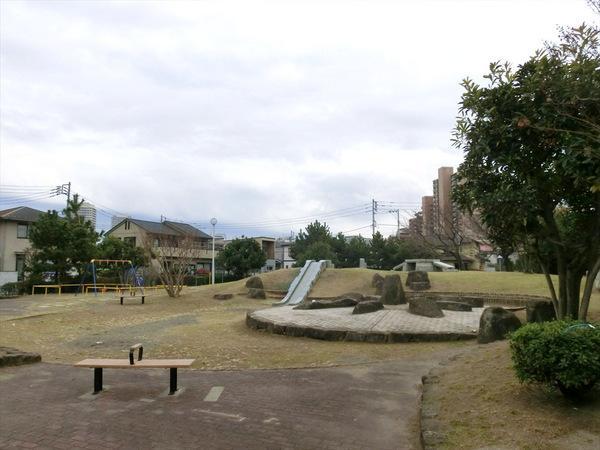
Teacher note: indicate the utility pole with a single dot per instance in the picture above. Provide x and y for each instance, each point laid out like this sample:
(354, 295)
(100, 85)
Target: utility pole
(373, 211)
(397, 211)
(64, 189)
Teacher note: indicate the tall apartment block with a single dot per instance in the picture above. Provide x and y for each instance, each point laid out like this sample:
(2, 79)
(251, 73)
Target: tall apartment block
(442, 201)
(88, 212)
(427, 215)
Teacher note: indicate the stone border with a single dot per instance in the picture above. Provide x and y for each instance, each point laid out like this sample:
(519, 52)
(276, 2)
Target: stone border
(351, 336)
(13, 357)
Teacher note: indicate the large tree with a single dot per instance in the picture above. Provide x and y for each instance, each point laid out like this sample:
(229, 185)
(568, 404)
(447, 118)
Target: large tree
(61, 244)
(531, 139)
(241, 256)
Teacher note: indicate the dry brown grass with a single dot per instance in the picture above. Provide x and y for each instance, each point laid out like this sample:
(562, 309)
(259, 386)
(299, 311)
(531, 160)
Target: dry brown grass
(482, 404)
(66, 329)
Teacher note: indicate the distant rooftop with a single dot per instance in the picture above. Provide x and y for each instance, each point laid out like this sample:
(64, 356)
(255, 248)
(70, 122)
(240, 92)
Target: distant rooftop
(21, 214)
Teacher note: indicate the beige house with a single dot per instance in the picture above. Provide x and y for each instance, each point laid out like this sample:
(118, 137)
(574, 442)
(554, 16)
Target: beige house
(14, 241)
(167, 236)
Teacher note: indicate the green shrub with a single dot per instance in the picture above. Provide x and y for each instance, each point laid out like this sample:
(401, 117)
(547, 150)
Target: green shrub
(11, 289)
(564, 354)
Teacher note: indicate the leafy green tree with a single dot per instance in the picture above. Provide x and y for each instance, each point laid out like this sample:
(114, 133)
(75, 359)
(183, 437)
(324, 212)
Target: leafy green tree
(241, 256)
(357, 247)
(531, 139)
(317, 251)
(61, 244)
(315, 232)
(113, 248)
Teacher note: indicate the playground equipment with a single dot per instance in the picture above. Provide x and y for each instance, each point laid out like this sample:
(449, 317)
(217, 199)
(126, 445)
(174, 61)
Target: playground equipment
(129, 280)
(303, 283)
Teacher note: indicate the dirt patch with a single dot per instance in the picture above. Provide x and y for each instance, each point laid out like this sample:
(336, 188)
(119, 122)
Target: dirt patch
(476, 402)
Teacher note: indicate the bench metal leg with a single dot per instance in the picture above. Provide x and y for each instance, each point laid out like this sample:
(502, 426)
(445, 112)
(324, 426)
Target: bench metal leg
(142, 299)
(121, 300)
(173, 380)
(97, 379)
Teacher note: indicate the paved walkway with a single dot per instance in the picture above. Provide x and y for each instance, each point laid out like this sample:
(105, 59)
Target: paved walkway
(392, 319)
(357, 407)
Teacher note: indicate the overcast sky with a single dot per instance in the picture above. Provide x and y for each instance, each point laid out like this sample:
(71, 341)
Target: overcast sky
(251, 112)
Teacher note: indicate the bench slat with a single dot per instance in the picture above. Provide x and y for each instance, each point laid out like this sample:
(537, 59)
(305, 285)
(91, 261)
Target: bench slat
(145, 363)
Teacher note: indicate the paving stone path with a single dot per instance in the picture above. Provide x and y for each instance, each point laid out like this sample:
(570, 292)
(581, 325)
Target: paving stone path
(391, 319)
(356, 407)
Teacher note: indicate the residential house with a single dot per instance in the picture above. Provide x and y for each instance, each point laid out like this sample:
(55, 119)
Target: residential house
(283, 258)
(14, 241)
(168, 236)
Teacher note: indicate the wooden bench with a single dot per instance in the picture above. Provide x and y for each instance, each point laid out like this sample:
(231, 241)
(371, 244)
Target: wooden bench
(131, 296)
(171, 364)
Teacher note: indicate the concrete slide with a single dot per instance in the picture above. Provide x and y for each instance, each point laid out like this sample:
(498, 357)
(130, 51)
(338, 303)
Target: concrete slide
(303, 283)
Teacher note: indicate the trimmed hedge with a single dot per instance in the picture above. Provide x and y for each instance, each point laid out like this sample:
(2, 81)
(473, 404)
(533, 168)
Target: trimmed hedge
(563, 354)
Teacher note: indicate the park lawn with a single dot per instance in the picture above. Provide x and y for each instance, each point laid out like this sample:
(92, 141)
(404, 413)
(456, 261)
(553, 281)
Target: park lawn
(65, 329)
(339, 281)
(480, 404)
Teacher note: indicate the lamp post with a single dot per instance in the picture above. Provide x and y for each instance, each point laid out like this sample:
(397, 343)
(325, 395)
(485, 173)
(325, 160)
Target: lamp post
(213, 222)
(500, 262)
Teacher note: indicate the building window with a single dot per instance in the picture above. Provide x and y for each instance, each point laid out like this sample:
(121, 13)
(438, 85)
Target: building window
(22, 230)
(127, 225)
(129, 240)
(20, 266)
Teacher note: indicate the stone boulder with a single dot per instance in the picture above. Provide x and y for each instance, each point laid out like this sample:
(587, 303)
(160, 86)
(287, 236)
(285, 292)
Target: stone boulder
(418, 280)
(322, 304)
(371, 298)
(353, 295)
(377, 279)
(256, 293)
(254, 283)
(540, 311)
(495, 323)
(367, 307)
(392, 292)
(427, 307)
(13, 357)
(223, 296)
(454, 306)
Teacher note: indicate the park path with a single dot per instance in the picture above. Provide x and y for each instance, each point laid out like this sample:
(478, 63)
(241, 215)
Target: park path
(372, 406)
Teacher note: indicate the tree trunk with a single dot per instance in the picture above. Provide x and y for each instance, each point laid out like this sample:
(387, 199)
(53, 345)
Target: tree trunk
(573, 292)
(587, 291)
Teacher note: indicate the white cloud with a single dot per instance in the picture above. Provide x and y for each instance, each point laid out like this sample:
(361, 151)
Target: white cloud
(248, 111)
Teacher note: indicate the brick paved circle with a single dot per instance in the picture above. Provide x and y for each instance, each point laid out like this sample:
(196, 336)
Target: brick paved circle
(393, 324)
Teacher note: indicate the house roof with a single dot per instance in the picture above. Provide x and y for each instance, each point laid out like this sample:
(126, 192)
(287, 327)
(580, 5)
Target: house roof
(165, 228)
(21, 214)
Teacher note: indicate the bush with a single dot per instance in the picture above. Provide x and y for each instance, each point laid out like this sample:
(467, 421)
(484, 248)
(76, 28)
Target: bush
(12, 289)
(563, 354)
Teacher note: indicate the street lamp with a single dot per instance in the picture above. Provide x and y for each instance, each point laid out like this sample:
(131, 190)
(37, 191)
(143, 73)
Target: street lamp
(213, 222)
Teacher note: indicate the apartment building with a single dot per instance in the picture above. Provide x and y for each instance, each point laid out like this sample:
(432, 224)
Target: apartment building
(14, 241)
(167, 235)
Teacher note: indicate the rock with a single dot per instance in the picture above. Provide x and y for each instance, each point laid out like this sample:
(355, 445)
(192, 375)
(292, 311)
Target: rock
(370, 298)
(376, 280)
(13, 357)
(540, 311)
(454, 306)
(254, 282)
(425, 307)
(392, 292)
(495, 323)
(353, 295)
(475, 302)
(418, 280)
(222, 296)
(420, 286)
(256, 293)
(367, 307)
(322, 304)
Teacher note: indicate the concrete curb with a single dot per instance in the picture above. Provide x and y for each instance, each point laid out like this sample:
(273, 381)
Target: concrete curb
(351, 336)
